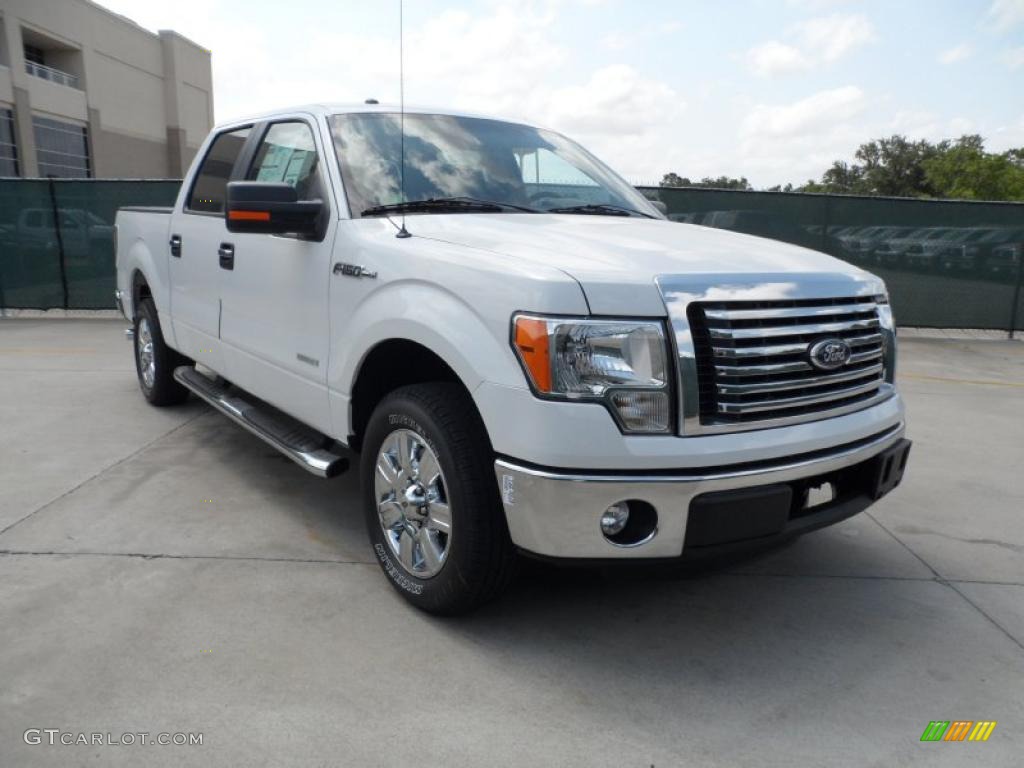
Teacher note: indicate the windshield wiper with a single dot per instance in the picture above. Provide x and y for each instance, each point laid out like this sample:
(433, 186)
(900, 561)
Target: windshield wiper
(600, 209)
(446, 205)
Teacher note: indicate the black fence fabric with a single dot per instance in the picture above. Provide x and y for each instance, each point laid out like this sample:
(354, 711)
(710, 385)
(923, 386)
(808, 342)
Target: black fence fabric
(947, 264)
(57, 239)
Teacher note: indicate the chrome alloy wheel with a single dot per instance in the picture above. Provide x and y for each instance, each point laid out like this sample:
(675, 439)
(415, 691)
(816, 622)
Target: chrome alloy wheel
(412, 503)
(147, 362)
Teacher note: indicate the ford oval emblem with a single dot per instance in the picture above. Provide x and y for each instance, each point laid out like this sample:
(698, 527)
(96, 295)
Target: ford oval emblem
(829, 354)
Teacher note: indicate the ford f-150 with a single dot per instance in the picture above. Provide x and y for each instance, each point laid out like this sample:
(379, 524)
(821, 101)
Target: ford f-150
(525, 354)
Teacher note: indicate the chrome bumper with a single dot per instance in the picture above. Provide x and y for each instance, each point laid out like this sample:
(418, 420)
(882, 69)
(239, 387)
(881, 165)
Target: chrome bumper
(557, 514)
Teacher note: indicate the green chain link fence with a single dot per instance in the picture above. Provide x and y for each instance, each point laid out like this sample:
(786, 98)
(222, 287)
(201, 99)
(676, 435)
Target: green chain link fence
(57, 238)
(947, 264)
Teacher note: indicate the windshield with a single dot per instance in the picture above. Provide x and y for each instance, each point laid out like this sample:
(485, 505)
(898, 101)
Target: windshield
(468, 157)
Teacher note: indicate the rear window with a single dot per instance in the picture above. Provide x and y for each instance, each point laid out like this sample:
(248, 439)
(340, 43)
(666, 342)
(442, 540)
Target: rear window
(211, 181)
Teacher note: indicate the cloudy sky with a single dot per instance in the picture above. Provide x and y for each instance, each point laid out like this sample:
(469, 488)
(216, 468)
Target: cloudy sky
(770, 89)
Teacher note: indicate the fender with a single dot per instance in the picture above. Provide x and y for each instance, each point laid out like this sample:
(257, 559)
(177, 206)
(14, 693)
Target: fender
(137, 231)
(431, 316)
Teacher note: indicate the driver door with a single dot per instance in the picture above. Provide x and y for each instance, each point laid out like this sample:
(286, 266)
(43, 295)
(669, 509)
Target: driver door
(275, 330)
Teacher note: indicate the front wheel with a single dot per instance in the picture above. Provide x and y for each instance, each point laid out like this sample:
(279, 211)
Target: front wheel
(431, 502)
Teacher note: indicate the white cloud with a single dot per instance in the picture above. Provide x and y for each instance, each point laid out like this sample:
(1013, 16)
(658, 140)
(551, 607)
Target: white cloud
(639, 34)
(816, 5)
(1006, 137)
(631, 121)
(807, 115)
(616, 101)
(917, 124)
(616, 41)
(798, 140)
(961, 126)
(1014, 58)
(823, 40)
(956, 53)
(775, 58)
(832, 37)
(1004, 14)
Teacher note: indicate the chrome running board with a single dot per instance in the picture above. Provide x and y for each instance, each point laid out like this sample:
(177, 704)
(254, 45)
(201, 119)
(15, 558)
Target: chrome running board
(303, 445)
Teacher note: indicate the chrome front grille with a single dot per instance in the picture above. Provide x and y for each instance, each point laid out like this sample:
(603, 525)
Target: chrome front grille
(753, 367)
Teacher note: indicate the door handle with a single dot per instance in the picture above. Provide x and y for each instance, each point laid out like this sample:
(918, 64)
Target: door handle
(175, 243)
(227, 255)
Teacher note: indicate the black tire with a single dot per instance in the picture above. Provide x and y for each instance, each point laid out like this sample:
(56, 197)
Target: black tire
(163, 390)
(480, 560)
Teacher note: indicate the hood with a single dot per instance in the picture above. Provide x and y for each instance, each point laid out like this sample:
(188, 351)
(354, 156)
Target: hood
(616, 259)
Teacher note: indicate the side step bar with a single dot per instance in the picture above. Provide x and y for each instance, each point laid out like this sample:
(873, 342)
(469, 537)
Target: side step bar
(303, 445)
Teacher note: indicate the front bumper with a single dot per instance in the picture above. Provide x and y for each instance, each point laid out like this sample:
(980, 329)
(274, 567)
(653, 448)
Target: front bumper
(557, 513)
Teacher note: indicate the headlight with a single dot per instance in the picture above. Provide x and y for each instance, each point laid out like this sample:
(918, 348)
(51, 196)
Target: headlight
(888, 329)
(885, 318)
(621, 363)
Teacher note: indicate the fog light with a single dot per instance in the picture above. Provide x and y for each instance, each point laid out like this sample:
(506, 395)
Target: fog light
(615, 518)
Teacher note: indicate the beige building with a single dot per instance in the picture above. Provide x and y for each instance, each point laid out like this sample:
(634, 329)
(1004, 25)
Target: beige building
(85, 92)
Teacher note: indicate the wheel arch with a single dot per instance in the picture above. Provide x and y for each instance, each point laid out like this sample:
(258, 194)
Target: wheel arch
(386, 366)
(140, 289)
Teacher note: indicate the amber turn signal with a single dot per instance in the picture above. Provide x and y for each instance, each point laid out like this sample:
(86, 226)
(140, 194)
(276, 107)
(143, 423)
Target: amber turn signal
(531, 338)
(236, 215)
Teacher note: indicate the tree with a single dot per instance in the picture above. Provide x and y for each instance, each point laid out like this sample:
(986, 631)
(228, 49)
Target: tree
(965, 170)
(725, 182)
(722, 182)
(900, 167)
(895, 166)
(674, 180)
(903, 168)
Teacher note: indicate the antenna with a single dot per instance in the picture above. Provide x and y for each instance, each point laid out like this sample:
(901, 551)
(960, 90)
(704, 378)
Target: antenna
(403, 232)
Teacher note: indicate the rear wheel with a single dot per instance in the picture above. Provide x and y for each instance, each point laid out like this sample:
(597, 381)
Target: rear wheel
(154, 360)
(431, 502)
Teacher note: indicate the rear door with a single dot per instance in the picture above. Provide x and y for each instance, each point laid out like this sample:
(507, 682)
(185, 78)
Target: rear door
(275, 328)
(197, 230)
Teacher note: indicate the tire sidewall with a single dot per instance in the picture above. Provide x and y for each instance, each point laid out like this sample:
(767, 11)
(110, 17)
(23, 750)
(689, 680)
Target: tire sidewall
(147, 312)
(393, 414)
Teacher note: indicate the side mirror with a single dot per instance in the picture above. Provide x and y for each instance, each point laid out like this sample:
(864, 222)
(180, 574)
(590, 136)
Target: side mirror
(270, 208)
(660, 206)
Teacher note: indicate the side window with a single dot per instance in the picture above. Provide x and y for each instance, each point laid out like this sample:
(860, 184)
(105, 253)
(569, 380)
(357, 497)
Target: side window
(207, 193)
(288, 153)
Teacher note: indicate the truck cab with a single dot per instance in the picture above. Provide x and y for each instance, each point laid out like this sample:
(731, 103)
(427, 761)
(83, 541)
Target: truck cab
(526, 356)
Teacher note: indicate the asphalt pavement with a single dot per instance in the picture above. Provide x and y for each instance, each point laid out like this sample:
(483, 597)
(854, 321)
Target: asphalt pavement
(163, 571)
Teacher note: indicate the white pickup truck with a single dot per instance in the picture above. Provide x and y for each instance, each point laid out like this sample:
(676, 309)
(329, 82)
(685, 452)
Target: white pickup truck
(527, 355)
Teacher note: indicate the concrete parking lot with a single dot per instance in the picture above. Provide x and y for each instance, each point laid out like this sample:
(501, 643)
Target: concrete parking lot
(164, 571)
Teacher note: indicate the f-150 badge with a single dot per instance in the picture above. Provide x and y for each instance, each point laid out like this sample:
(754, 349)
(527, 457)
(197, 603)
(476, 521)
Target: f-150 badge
(353, 270)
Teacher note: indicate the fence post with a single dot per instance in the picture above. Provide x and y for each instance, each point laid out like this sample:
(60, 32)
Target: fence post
(60, 242)
(1019, 250)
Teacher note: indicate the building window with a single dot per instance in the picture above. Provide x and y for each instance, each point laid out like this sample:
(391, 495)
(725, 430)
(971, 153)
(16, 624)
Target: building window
(34, 54)
(8, 147)
(62, 149)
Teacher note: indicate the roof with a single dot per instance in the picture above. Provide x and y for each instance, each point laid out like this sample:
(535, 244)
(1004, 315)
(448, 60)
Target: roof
(362, 107)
